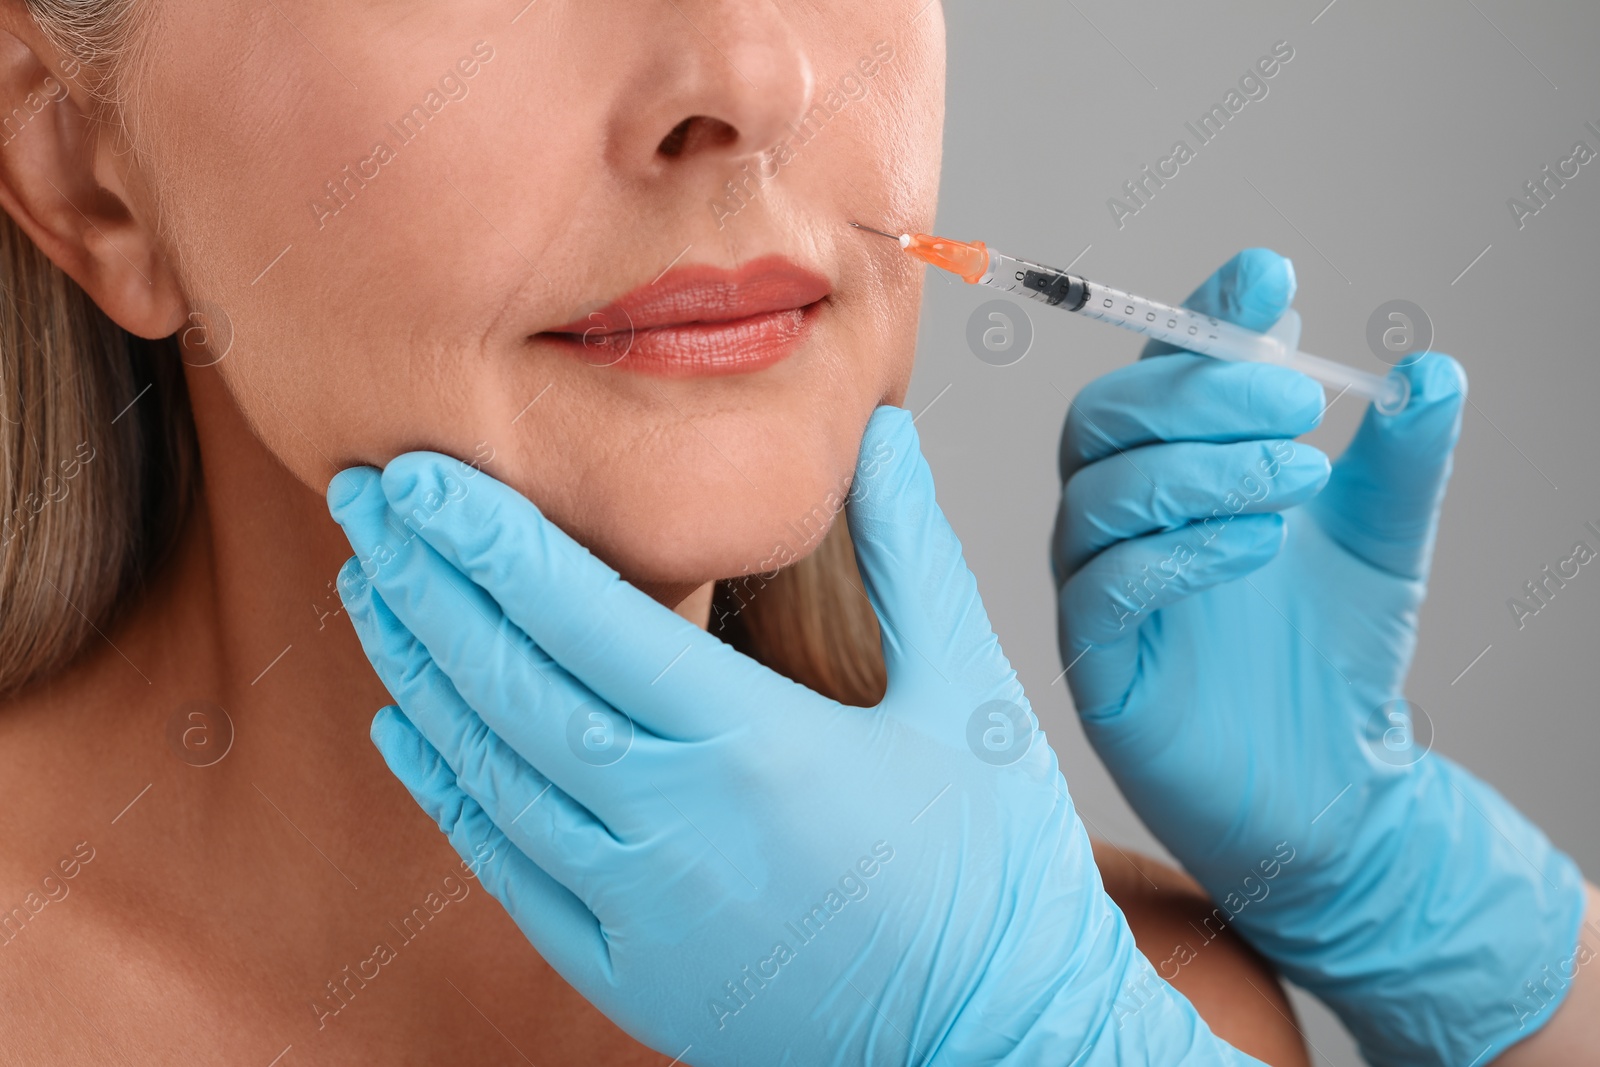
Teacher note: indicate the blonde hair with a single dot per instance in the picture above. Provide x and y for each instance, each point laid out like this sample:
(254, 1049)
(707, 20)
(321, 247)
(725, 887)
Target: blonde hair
(97, 449)
(99, 463)
(97, 35)
(811, 622)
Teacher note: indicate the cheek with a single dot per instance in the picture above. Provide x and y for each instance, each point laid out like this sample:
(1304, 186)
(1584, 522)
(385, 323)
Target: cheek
(377, 322)
(896, 164)
(348, 240)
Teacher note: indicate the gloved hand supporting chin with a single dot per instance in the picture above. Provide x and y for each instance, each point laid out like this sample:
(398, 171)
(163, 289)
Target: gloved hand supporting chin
(730, 866)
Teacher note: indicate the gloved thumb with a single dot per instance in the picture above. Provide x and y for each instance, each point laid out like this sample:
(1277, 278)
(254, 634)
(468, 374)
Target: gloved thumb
(1253, 290)
(918, 582)
(1382, 500)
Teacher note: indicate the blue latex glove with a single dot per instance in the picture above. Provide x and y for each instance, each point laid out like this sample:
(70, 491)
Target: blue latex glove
(1239, 670)
(731, 867)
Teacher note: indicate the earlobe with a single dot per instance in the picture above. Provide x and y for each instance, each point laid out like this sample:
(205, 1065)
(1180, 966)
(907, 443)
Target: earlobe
(64, 184)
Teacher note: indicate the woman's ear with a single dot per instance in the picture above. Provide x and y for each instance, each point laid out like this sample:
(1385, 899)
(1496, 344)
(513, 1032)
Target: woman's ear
(63, 180)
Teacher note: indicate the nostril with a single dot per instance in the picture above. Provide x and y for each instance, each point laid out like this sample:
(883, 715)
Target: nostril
(695, 133)
(672, 144)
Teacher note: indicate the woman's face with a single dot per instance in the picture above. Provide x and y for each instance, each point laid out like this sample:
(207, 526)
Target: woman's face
(485, 229)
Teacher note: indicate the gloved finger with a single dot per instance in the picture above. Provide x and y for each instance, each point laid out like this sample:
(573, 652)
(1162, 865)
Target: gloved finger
(1253, 290)
(668, 675)
(546, 824)
(910, 560)
(507, 680)
(1103, 605)
(1162, 487)
(1383, 498)
(1186, 397)
(556, 922)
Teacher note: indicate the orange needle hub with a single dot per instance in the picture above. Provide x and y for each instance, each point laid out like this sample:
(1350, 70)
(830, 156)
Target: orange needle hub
(971, 261)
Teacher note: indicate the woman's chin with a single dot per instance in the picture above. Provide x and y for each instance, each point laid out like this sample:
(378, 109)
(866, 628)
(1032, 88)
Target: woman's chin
(682, 553)
(667, 511)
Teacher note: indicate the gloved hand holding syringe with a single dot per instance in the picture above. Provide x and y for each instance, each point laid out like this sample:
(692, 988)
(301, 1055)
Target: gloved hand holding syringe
(978, 264)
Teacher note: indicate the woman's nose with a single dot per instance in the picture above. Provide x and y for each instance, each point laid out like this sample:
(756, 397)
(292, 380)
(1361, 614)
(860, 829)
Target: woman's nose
(722, 80)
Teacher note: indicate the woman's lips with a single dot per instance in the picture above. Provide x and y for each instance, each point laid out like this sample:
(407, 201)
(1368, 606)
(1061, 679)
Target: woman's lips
(701, 320)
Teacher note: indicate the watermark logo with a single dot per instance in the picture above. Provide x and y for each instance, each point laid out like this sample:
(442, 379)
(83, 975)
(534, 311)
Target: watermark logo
(746, 187)
(1142, 591)
(339, 992)
(1399, 733)
(52, 888)
(1541, 190)
(999, 332)
(54, 490)
(1536, 997)
(207, 334)
(200, 733)
(599, 735)
(1542, 588)
(852, 887)
(24, 112)
(342, 190)
(1254, 887)
(1141, 189)
(999, 732)
(607, 340)
(1399, 332)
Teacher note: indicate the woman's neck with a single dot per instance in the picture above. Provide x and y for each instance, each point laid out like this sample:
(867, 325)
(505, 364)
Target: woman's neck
(210, 751)
(250, 600)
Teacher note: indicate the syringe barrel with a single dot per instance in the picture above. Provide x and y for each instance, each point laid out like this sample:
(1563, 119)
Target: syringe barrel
(1183, 328)
(1020, 277)
(1176, 326)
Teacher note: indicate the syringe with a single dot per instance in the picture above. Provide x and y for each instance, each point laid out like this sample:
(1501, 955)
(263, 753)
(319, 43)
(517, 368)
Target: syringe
(978, 264)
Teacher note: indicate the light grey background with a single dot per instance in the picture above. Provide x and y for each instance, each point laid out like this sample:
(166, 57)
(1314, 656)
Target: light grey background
(1380, 162)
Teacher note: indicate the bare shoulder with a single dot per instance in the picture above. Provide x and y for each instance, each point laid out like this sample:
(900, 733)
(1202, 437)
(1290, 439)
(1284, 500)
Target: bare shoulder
(1232, 987)
(36, 887)
(47, 859)
(47, 787)
(74, 781)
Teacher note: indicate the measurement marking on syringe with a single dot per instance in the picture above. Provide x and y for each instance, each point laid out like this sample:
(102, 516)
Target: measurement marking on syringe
(976, 263)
